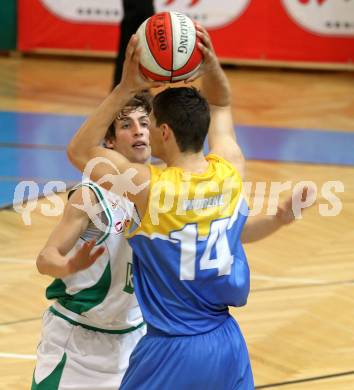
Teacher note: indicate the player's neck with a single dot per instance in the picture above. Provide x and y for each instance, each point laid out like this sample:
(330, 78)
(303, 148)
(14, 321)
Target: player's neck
(189, 162)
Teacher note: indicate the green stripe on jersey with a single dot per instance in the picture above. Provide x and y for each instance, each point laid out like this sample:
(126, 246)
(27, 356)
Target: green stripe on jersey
(83, 300)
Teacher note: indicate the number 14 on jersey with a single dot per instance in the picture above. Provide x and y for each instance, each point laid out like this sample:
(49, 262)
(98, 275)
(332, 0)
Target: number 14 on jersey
(189, 242)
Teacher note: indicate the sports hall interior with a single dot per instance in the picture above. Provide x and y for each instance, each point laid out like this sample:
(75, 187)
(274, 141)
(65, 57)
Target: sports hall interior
(294, 122)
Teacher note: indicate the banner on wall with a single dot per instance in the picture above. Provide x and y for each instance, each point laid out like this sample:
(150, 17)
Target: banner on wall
(275, 30)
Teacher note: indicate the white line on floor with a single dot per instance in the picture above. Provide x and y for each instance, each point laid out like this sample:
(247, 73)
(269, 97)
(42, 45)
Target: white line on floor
(17, 356)
(286, 280)
(16, 261)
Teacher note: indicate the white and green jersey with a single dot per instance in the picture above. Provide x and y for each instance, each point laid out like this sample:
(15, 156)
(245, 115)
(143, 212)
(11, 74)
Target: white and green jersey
(101, 297)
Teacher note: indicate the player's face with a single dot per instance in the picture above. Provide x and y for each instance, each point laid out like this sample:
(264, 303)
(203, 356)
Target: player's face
(132, 136)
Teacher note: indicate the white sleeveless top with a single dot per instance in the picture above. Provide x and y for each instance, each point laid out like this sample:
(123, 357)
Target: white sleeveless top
(101, 297)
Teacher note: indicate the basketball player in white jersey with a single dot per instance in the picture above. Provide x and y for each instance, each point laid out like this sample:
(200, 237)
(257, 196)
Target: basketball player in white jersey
(95, 322)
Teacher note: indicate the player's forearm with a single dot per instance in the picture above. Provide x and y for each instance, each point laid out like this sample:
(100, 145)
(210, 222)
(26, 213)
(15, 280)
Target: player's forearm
(216, 87)
(258, 228)
(51, 262)
(90, 135)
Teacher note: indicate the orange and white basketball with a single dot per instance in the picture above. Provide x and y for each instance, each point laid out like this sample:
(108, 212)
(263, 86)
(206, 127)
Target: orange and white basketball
(169, 47)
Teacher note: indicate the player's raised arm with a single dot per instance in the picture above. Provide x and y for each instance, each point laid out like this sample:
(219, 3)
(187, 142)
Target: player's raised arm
(259, 227)
(216, 89)
(85, 145)
(52, 259)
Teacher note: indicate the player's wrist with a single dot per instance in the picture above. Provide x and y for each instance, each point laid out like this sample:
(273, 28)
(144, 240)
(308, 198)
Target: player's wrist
(125, 91)
(67, 268)
(282, 217)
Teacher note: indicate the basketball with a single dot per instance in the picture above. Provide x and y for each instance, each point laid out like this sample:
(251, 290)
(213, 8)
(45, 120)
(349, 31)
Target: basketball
(169, 47)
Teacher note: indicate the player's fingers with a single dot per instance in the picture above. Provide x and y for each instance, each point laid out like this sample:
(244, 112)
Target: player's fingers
(157, 84)
(131, 47)
(311, 190)
(302, 194)
(200, 28)
(91, 243)
(191, 79)
(194, 77)
(205, 39)
(207, 54)
(96, 254)
(136, 55)
(87, 247)
(151, 83)
(84, 248)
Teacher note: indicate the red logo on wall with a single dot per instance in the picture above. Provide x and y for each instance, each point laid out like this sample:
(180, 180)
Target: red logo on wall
(324, 17)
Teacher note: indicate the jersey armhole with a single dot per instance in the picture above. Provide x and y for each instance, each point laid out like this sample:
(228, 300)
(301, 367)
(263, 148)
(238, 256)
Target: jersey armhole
(99, 196)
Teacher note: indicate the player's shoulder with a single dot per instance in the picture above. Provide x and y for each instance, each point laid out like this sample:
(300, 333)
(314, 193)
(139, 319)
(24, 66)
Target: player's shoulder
(227, 162)
(222, 161)
(159, 170)
(84, 191)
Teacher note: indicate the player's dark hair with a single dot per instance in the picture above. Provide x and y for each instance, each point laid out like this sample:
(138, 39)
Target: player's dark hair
(142, 100)
(187, 113)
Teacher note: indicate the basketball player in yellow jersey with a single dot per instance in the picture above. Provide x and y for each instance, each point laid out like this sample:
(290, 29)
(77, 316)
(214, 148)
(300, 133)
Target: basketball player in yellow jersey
(189, 264)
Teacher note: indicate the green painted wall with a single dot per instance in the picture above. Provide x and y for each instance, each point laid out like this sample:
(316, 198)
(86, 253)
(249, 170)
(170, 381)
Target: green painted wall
(8, 24)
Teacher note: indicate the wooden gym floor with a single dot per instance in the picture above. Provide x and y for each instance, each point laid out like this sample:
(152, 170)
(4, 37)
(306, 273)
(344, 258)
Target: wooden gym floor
(299, 321)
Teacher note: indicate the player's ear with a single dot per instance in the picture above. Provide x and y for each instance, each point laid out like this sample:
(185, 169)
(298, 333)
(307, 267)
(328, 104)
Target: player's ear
(165, 131)
(109, 143)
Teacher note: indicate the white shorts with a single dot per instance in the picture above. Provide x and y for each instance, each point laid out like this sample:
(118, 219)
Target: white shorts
(72, 357)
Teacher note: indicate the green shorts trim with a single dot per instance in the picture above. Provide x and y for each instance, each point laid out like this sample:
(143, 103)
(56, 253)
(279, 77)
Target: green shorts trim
(52, 381)
(113, 331)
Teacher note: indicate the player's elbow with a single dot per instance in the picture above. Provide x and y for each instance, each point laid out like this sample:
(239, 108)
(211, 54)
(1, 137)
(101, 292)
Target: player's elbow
(240, 300)
(238, 161)
(40, 263)
(76, 155)
(72, 153)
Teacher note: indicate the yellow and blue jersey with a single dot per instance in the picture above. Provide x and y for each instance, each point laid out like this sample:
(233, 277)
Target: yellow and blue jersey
(189, 264)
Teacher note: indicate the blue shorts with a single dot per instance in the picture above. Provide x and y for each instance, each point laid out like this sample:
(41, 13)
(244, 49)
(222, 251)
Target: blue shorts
(209, 361)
